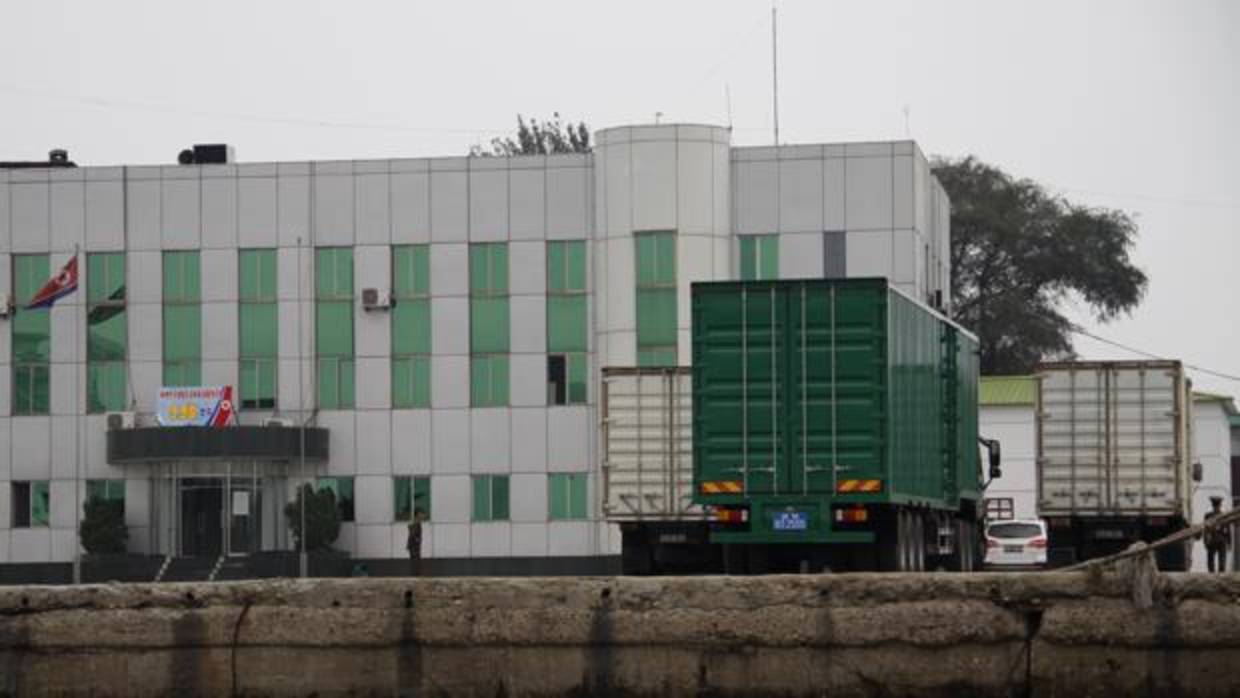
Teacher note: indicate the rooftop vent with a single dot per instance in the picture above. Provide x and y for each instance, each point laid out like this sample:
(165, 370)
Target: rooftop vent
(207, 154)
(57, 157)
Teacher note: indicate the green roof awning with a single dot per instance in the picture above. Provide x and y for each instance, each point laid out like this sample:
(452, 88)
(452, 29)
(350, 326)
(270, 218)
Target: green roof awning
(1007, 390)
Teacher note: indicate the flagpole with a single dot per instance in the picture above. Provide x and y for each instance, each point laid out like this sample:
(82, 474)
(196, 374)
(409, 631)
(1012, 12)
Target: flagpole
(78, 406)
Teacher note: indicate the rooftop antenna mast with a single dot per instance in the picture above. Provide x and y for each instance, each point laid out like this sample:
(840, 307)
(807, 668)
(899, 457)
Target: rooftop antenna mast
(727, 97)
(775, 71)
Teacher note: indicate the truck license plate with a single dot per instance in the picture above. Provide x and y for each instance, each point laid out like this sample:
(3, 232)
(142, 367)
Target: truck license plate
(1108, 534)
(790, 521)
(1013, 548)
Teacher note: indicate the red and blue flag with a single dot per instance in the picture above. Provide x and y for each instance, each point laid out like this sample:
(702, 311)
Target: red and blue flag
(57, 287)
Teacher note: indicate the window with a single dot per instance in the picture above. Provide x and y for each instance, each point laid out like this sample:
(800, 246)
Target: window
(32, 338)
(182, 319)
(259, 328)
(342, 487)
(656, 298)
(490, 498)
(411, 494)
(333, 326)
(759, 257)
(107, 490)
(106, 343)
(488, 324)
(566, 496)
(32, 504)
(411, 326)
(567, 327)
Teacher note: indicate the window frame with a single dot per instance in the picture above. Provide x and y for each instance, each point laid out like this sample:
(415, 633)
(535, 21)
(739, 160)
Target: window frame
(258, 295)
(103, 276)
(576, 489)
(344, 489)
(655, 260)
(494, 484)
(338, 295)
(32, 489)
(490, 382)
(416, 486)
(411, 361)
(30, 392)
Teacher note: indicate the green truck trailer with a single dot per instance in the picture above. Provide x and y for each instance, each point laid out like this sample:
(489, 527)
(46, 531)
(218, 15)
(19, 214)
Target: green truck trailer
(835, 425)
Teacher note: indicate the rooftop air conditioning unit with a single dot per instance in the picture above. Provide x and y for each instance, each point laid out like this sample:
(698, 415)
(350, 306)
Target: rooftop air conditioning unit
(121, 420)
(375, 299)
(6, 305)
(277, 422)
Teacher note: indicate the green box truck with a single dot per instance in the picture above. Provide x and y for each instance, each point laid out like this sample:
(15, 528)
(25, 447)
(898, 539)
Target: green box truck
(835, 425)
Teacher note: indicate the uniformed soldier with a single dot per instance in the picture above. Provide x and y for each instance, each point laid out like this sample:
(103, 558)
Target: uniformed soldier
(1218, 539)
(414, 543)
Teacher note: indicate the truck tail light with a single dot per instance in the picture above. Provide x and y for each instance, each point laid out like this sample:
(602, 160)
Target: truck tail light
(726, 515)
(1039, 543)
(993, 543)
(852, 515)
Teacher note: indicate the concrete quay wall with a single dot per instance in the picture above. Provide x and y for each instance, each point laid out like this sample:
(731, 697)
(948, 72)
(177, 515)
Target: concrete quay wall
(1041, 634)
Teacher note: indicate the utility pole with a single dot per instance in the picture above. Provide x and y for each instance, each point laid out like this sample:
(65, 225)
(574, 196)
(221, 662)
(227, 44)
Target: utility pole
(775, 71)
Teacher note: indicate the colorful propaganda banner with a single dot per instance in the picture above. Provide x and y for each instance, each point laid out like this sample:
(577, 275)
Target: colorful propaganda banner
(195, 406)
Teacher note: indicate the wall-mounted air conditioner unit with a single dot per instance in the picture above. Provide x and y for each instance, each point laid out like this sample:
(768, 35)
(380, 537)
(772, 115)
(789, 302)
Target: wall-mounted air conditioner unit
(121, 420)
(277, 422)
(376, 299)
(6, 305)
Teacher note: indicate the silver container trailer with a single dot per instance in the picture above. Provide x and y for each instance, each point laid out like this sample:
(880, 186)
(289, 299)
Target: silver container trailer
(1114, 457)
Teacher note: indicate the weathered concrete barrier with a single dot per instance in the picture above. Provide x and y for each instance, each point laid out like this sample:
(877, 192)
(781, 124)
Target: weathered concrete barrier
(1050, 634)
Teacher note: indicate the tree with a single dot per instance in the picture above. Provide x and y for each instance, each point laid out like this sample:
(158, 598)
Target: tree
(322, 518)
(102, 529)
(1018, 252)
(539, 138)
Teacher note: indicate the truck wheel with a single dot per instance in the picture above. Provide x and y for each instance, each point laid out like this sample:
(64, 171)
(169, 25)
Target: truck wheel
(919, 541)
(892, 552)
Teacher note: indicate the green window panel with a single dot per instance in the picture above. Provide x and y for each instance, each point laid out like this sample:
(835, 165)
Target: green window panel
(30, 504)
(411, 271)
(656, 298)
(566, 496)
(342, 488)
(567, 326)
(108, 490)
(32, 338)
(182, 332)
(488, 380)
(411, 381)
(490, 498)
(566, 266)
(258, 383)
(257, 275)
(182, 277)
(105, 386)
(488, 269)
(336, 389)
(410, 494)
(333, 272)
(759, 257)
(411, 326)
(106, 336)
(333, 328)
(489, 325)
(31, 389)
(566, 378)
(182, 373)
(259, 329)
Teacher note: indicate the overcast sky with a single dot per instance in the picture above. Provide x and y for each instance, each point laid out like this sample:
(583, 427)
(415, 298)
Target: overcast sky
(1125, 104)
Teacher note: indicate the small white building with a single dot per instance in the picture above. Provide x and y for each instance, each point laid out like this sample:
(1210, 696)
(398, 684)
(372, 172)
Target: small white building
(1006, 414)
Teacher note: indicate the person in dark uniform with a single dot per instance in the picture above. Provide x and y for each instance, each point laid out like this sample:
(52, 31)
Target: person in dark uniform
(1217, 540)
(414, 543)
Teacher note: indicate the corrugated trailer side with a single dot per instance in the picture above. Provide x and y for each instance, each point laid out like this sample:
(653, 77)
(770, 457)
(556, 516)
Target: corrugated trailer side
(833, 412)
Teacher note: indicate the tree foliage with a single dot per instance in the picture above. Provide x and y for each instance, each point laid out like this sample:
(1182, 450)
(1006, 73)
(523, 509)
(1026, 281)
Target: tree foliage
(536, 137)
(322, 518)
(1018, 252)
(102, 528)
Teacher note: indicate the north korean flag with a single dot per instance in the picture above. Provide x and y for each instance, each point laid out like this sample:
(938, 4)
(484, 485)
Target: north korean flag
(57, 287)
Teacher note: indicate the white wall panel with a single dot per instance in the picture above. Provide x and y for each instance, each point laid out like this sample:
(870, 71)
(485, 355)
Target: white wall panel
(695, 193)
(181, 221)
(529, 539)
(219, 331)
(32, 443)
(617, 204)
(529, 324)
(68, 215)
(800, 195)
(333, 210)
(868, 194)
(869, 253)
(568, 443)
(755, 196)
(654, 185)
(372, 210)
(568, 538)
(529, 497)
(450, 326)
(374, 448)
(64, 456)
(31, 224)
(450, 441)
(342, 451)
(256, 212)
(145, 378)
(491, 539)
(449, 381)
(219, 275)
(488, 205)
(489, 437)
(903, 199)
(527, 376)
(374, 383)
(567, 203)
(800, 256)
(411, 207)
(529, 448)
(293, 200)
(411, 442)
(145, 321)
(453, 497)
(143, 206)
(527, 267)
(527, 204)
(449, 206)
(449, 270)
(219, 212)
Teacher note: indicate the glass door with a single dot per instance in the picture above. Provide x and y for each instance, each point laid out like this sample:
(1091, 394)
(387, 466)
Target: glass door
(244, 516)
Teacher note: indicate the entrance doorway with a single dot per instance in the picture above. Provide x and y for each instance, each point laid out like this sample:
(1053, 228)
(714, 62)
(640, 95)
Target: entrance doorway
(220, 515)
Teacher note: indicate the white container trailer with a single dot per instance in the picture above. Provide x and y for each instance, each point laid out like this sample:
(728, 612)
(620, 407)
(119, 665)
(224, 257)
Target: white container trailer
(1114, 456)
(647, 442)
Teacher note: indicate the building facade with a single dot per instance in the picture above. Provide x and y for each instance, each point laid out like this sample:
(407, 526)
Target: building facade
(443, 321)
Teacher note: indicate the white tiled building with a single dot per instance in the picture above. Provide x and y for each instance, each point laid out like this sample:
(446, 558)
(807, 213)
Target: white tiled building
(203, 274)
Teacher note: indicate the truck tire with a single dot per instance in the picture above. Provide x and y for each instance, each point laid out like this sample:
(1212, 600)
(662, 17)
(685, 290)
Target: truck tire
(898, 542)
